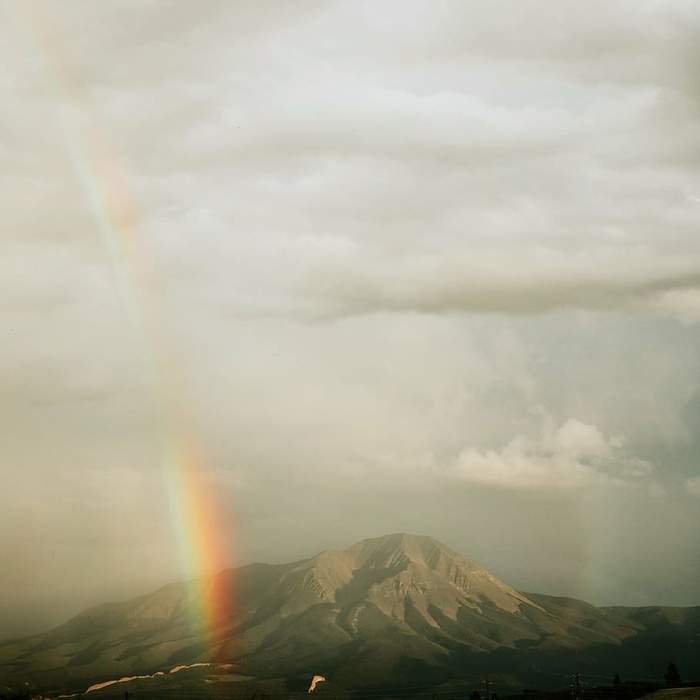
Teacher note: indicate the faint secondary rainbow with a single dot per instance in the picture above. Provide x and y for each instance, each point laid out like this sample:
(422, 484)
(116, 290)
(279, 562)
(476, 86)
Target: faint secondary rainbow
(196, 514)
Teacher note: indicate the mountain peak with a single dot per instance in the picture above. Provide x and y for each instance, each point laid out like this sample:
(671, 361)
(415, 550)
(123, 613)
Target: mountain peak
(381, 606)
(386, 571)
(400, 547)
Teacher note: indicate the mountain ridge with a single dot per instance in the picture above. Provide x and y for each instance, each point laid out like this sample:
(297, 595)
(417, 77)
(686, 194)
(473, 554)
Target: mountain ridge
(405, 607)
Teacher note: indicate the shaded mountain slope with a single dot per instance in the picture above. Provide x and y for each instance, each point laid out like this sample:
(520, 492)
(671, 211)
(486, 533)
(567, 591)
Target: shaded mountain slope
(401, 609)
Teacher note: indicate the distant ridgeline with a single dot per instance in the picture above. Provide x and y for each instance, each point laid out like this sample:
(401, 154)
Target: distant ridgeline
(396, 612)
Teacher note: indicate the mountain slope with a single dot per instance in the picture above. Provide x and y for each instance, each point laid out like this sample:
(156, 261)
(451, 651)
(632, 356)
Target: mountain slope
(401, 609)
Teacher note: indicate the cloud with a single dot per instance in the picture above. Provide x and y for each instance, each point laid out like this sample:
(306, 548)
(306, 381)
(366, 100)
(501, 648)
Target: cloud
(683, 304)
(692, 486)
(582, 440)
(537, 282)
(572, 455)
(536, 180)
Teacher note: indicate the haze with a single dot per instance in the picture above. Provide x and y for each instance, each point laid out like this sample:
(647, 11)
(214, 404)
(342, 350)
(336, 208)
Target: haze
(403, 266)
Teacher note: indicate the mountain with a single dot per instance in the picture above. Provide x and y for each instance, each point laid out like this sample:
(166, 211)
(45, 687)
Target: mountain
(400, 609)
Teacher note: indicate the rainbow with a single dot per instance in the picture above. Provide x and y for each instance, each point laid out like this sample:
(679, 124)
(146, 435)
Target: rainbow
(196, 515)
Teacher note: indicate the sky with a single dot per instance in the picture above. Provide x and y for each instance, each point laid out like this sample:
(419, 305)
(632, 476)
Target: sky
(371, 266)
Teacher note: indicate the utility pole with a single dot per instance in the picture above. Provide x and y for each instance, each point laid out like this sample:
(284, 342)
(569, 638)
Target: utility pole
(487, 685)
(577, 686)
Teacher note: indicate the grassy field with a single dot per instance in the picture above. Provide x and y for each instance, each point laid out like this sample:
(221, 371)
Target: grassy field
(675, 694)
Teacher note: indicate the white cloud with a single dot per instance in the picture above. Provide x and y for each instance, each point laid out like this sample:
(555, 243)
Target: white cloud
(567, 456)
(522, 464)
(683, 304)
(581, 440)
(692, 486)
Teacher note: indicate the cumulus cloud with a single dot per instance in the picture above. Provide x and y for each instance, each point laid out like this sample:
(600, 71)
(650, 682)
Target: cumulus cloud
(683, 304)
(692, 486)
(571, 455)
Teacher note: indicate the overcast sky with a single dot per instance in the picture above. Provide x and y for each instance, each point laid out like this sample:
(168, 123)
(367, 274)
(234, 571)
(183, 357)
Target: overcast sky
(427, 266)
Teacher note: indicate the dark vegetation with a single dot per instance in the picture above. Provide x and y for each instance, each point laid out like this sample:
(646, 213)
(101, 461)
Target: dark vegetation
(196, 686)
